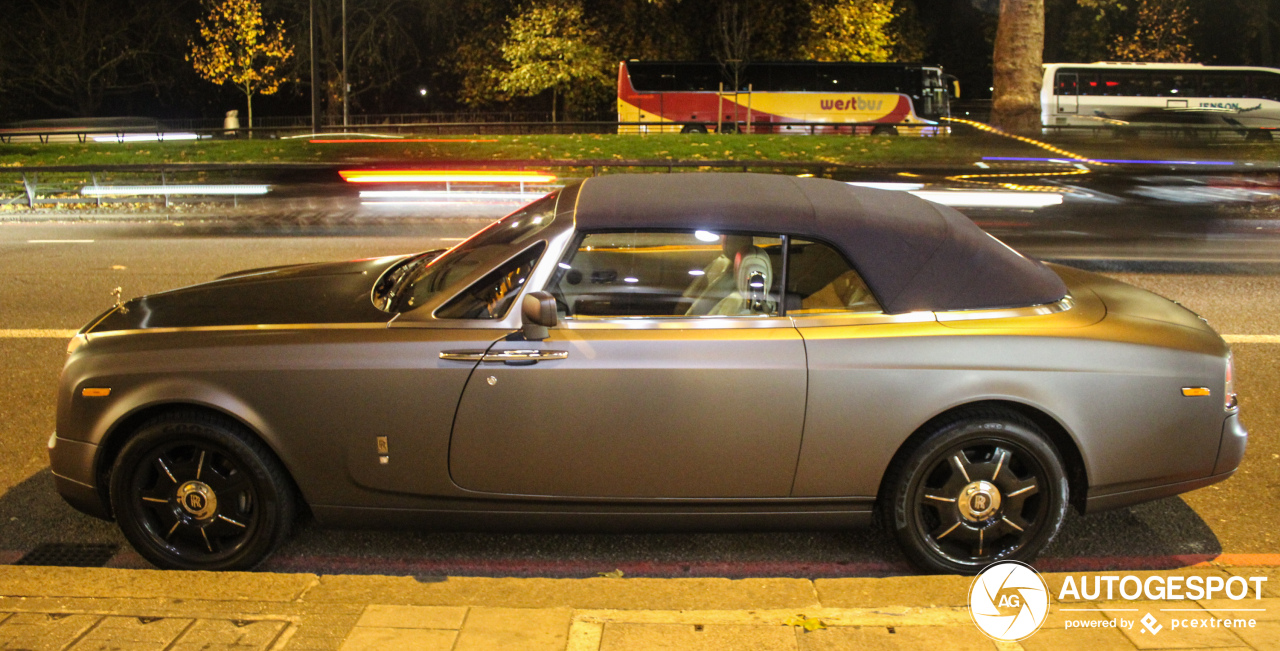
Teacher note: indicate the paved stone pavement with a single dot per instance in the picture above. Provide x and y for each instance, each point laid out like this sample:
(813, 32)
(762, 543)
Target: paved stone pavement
(95, 609)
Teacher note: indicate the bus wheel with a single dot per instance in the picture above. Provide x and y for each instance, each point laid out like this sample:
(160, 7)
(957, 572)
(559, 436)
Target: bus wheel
(728, 127)
(694, 128)
(884, 130)
(1258, 135)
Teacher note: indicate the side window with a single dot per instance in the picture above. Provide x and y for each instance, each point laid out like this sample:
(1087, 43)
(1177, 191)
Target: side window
(670, 274)
(1066, 84)
(821, 281)
(491, 296)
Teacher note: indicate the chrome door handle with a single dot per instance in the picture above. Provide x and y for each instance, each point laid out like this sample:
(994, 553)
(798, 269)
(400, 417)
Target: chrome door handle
(462, 355)
(523, 357)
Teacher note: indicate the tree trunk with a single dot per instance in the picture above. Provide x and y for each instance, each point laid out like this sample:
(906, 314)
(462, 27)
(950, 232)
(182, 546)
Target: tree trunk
(248, 94)
(554, 92)
(1019, 53)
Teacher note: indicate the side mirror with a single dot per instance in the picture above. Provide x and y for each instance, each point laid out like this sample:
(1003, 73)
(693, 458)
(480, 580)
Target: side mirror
(539, 310)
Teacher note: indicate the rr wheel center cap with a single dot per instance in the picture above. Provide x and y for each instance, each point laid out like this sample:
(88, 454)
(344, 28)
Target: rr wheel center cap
(978, 501)
(198, 500)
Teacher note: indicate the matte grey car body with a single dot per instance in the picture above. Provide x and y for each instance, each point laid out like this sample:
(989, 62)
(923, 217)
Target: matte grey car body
(789, 417)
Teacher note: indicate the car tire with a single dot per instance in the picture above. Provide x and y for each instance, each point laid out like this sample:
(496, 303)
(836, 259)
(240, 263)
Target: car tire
(977, 487)
(195, 491)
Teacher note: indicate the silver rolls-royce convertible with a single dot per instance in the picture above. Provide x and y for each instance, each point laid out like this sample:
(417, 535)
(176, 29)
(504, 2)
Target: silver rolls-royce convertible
(706, 351)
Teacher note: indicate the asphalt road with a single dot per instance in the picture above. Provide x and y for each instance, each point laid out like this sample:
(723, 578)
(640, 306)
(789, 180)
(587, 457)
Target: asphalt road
(57, 276)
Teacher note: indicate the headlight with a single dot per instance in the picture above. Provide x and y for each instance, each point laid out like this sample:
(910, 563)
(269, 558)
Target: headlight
(76, 342)
(1229, 392)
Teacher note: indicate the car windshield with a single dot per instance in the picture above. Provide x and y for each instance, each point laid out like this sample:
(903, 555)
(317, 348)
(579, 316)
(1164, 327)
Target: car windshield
(487, 248)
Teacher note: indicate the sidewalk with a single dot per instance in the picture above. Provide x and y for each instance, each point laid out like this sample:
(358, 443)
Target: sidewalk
(97, 609)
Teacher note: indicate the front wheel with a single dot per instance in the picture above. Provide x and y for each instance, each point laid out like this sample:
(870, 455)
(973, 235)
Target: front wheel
(195, 492)
(982, 487)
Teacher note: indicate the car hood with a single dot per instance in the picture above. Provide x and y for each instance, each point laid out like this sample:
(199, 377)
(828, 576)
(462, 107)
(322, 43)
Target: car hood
(1125, 299)
(337, 292)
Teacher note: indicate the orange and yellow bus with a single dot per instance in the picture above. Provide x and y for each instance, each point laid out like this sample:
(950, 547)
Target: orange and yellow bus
(782, 97)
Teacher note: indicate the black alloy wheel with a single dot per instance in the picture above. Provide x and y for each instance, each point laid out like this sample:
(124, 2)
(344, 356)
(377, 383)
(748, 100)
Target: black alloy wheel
(985, 486)
(196, 492)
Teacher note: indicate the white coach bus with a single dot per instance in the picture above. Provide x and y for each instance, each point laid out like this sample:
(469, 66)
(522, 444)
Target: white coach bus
(1190, 95)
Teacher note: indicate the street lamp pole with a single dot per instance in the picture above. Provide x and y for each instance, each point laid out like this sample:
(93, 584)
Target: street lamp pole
(345, 85)
(311, 44)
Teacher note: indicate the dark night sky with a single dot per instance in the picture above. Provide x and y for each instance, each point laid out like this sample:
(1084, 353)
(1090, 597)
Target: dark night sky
(156, 81)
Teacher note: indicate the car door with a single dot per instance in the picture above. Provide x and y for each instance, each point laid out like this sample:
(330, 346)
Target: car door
(671, 374)
(869, 373)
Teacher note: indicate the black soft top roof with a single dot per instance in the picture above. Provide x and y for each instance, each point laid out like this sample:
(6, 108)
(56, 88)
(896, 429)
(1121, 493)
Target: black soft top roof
(913, 254)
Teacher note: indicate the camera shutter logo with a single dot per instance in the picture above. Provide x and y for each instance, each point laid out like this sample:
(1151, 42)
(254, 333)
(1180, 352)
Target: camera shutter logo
(1008, 601)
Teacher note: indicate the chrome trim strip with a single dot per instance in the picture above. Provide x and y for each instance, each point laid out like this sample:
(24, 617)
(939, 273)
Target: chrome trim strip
(87, 329)
(244, 328)
(675, 322)
(462, 355)
(831, 319)
(522, 354)
(1008, 313)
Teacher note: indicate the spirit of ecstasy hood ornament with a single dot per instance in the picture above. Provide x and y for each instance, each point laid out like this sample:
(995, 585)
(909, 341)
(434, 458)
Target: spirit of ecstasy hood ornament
(115, 293)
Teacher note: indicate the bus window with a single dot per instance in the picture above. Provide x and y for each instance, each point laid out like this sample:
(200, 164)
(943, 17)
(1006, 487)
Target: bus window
(794, 77)
(1114, 83)
(1087, 82)
(1066, 84)
(1165, 84)
(1265, 85)
(1223, 84)
(1137, 83)
(833, 81)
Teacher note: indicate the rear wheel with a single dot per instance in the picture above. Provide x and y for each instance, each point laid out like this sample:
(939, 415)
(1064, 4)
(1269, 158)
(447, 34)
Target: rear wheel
(982, 487)
(196, 492)
(694, 128)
